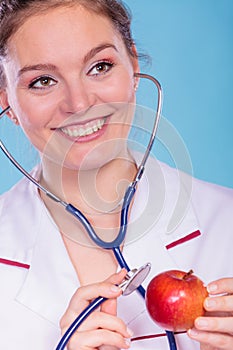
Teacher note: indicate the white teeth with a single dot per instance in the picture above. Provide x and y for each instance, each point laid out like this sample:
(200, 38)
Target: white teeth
(89, 131)
(77, 131)
(81, 132)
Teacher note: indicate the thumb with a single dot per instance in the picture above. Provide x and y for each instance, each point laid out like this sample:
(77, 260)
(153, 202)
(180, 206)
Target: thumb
(110, 307)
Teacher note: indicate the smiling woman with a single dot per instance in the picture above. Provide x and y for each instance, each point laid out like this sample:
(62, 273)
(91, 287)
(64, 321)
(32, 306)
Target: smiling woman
(69, 74)
(102, 73)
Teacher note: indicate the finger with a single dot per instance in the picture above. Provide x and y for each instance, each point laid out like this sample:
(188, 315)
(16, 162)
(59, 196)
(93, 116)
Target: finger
(215, 324)
(215, 340)
(221, 303)
(107, 289)
(110, 306)
(84, 295)
(223, 285)
(207, 347)
(81, 300)
(94, 339)
(118, 277)
(100, 320)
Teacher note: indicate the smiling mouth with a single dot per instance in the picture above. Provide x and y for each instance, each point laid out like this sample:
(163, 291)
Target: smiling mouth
(84, 129)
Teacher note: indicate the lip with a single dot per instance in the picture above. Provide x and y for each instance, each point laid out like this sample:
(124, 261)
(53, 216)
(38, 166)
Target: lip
(85, 125)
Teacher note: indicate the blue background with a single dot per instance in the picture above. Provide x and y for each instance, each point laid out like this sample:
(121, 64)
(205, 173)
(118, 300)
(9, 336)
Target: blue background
(190, 45)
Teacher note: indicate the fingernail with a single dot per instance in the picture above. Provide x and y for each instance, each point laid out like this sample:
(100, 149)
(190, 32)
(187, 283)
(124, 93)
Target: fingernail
(127, 341)
(115, 289)
(193, 333)
(202, 322)
(212, 288)
(130, 332)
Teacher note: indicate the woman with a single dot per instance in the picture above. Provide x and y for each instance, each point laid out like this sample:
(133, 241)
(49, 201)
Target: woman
(68, 74)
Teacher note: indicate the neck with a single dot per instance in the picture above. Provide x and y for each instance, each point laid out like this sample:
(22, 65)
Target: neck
(93, 191)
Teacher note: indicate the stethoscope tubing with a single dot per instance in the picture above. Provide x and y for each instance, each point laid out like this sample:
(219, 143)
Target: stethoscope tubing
(123, 222)
(115, 244)
(78, 321)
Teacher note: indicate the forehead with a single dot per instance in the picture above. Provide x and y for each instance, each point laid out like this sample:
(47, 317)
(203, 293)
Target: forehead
(63, 29)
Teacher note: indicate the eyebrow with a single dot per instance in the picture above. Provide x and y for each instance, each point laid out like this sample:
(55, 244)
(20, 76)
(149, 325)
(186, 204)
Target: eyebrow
(52, 67)
(29, 68)
(98, 49)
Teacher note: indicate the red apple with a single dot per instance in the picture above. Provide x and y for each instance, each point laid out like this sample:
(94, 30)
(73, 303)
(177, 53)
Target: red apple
(174, 299)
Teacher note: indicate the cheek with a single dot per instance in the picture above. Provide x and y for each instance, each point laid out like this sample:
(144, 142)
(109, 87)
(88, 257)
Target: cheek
(33, 113)
(121, 94)
(119, 89)
(33, 118)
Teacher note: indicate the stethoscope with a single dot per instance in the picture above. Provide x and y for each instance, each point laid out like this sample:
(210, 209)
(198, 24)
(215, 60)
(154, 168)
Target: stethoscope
(135, 277)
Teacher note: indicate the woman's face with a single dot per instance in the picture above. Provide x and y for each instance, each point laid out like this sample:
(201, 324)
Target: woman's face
(70, 84)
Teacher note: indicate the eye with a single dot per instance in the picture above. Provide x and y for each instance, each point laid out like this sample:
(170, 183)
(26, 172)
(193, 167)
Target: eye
(42, 83)
(101, 68)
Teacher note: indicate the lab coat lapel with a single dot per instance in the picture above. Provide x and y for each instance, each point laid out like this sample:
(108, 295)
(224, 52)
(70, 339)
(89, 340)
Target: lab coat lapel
(49, 259)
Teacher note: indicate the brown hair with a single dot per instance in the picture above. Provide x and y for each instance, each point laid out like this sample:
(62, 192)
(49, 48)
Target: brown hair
(13, 13)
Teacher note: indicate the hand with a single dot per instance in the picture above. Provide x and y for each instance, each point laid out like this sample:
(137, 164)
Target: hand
(215, 330)
(102, 329)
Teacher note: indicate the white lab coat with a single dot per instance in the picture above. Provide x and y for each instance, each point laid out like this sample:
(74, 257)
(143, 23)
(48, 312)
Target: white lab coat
(35, 294)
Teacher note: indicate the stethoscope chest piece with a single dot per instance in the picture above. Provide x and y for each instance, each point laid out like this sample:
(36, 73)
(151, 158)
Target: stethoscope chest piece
(134, 279)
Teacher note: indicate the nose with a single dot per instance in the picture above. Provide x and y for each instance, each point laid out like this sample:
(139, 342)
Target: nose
(77, 98)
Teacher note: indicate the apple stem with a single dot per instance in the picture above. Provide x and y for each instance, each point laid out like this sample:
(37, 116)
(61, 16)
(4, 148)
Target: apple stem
(187, 274)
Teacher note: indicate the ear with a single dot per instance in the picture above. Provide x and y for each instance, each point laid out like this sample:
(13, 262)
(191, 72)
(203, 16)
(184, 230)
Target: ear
(136, 67)
(4, 104)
